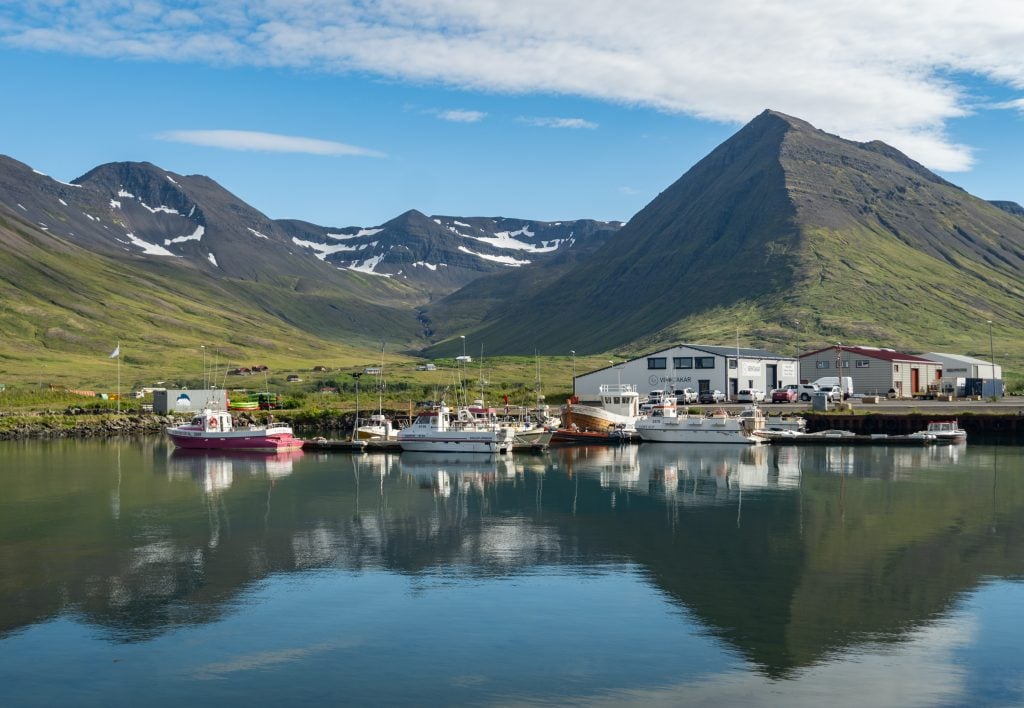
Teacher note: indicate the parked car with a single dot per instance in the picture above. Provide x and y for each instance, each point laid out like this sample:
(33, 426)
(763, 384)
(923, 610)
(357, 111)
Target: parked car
(835, 394)
(654, 398)
(750, 395)
(784, 395)
(715, 396)
(685, 396)
(807, 391)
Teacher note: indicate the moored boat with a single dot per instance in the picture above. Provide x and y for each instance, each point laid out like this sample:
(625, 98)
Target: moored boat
(946, 431)
(378, 427)
(436, 430)
(215, 430)
(618, 409)
(664, 424)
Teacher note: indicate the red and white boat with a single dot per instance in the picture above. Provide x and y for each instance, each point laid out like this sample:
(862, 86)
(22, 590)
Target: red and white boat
(215, 430)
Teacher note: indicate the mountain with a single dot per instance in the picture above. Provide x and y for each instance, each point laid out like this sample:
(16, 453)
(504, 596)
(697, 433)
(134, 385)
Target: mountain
(786, 236)
(152, 240)
(440, 254)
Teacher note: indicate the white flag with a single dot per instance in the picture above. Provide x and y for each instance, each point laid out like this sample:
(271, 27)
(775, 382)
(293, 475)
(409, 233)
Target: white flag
(116, 352)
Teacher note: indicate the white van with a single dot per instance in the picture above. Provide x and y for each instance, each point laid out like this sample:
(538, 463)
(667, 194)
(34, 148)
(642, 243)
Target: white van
(827, 382)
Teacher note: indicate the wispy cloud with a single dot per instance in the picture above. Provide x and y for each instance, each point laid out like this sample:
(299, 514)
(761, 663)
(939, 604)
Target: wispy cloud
(574, 123)
(628, 191)
(264, 142)
(867, 70)
(1015, 104)
(460, 116)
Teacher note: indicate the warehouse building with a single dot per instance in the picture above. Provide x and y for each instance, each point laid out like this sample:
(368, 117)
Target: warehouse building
(697, 366)
(874, 371)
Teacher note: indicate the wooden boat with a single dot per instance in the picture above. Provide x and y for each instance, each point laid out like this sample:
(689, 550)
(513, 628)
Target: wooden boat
(215, 430)
(619, 408)
(572, 436)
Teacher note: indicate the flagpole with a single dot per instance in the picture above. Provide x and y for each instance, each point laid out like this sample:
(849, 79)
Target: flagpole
(119, 377)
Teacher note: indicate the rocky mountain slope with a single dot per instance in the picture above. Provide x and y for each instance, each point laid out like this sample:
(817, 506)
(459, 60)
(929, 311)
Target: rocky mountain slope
(788, 236)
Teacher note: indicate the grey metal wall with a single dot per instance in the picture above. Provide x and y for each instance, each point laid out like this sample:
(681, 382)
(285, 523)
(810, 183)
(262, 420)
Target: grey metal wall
(187, 401)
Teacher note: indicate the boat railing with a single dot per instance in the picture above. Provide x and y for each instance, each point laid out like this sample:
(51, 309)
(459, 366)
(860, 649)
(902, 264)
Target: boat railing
(616, 388)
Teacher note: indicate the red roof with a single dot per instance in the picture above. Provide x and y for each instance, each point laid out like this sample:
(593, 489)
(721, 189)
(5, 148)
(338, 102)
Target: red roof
(874, 353)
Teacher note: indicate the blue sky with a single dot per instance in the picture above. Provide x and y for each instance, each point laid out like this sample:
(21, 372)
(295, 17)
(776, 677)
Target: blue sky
(349, 113)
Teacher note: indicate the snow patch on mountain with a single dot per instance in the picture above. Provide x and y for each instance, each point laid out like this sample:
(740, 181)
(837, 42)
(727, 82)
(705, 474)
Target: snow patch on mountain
(150, 249)
(504, 260)
(368, 266)
(345, 237)
(323, 250)
(210, 257)
(256, 233)
(114, 204)
(194, 236)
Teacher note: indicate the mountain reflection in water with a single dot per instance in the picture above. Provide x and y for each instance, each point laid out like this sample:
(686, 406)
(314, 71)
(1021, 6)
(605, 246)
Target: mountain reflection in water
(789, 556)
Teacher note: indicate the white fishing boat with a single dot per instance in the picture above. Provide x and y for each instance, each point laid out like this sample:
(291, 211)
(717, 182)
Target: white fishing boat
(437, 430)
(664, 424)
(618, 408)
(947, 431)
(378, 427)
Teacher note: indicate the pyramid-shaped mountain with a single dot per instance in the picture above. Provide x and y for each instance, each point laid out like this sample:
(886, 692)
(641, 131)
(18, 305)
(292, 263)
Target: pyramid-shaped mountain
(788, 236)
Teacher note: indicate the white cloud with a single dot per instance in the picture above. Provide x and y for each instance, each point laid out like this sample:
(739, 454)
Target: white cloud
(865, 70)
(559, 122)
(1015, 104)
(263, 142)
(460, 116)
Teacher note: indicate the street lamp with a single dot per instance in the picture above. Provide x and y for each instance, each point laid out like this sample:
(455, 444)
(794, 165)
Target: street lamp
(573, 352)
(463, 338)
(992, 356)
(205, 381)
(355, 424)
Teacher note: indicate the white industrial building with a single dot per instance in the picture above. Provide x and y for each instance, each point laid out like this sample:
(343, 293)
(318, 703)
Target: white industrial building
(965, 367)
(696, 366)
(958, 369)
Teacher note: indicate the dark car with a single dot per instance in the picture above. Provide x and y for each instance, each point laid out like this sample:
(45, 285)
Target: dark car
(784, 395)
(715, 396)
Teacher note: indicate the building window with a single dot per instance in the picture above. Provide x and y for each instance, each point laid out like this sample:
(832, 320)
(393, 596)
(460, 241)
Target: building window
(821, 364)
(657, 362)
(705, 362)
(896, 368)
(863, 363)
(732, 364)
(682, 362)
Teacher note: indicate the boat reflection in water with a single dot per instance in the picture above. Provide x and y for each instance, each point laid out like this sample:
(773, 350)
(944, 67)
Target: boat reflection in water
(463, 472)
(675, 470)
(879, 461)
(215, 471)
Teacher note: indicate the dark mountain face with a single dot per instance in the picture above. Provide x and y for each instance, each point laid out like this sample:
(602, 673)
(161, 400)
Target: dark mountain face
(1009, 207)
(791, 234)
(440, 254)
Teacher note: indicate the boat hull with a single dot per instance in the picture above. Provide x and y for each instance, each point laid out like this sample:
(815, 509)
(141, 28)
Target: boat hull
(464, 443)
(235, 440)
(705, 430)
(586, 417)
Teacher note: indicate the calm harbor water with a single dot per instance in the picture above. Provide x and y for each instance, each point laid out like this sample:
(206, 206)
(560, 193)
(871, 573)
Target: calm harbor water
(657, 574)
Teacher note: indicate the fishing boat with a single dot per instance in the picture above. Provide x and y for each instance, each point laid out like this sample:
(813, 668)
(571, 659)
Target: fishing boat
(946, 431)
(215, 430)
(437, 430)
(618, 407)
(664, 424)
(378, 427)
